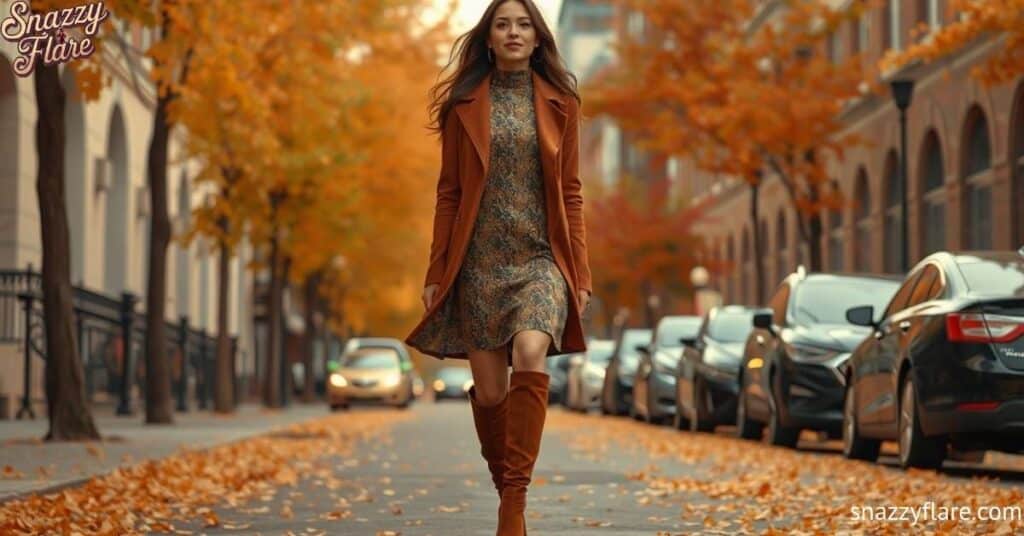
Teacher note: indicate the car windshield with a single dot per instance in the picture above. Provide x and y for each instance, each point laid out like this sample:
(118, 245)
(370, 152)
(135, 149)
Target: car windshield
(371, 358)
(630, 340)
(673, 329)
(731, 326)
(825, 301)
(600, 354)
(994, 278)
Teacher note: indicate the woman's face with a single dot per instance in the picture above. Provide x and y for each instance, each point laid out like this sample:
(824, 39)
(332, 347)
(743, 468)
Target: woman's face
(513, 37)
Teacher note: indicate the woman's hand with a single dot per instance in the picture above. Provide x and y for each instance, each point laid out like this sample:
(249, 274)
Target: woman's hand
(584, 301)
(428, 296)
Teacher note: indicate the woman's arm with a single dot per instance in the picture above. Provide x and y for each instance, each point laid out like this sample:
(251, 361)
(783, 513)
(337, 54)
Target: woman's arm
(573, 197)
(449, 192)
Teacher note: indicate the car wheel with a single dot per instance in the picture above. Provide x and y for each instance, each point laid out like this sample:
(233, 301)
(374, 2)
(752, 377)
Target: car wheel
(680, 421)
(779, 434)
(916, 450)
(746, 428)
(651, 417)
(702, 420)
(856, 446)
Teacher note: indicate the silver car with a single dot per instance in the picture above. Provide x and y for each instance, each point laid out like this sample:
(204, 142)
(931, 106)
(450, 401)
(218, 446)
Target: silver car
(585, 376)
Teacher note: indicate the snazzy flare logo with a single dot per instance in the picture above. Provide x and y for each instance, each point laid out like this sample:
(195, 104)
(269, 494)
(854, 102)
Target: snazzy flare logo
(45, 36)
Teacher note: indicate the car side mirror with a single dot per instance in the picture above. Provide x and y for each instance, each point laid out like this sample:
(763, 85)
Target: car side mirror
(688, 342)
(642, 348)
(763, 321)
(863, 315)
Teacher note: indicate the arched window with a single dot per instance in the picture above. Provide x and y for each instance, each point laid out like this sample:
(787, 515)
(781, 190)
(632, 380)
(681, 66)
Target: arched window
(893, 261)
(862, 209)
(781, 247)
(977, 161)
(835, 235)
(746, 276)
(933, 195)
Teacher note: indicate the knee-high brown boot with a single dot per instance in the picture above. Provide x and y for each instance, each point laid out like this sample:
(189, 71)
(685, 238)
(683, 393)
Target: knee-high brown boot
(527, 409)
(490, 430)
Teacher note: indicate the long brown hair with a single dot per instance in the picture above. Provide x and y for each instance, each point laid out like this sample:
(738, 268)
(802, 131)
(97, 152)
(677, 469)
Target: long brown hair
(470, 53)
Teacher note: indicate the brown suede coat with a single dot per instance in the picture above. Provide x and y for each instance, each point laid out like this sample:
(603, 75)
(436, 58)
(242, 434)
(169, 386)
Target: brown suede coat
(465, 154)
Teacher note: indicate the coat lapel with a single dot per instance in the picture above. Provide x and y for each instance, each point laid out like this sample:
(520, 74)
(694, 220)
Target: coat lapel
(474, 111)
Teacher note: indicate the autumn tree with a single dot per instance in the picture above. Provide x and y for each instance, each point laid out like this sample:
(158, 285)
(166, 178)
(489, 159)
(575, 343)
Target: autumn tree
(739, 96)
(975, 19)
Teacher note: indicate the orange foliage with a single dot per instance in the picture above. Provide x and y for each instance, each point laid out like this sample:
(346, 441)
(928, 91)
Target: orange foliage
(742, 100)
(976, 19)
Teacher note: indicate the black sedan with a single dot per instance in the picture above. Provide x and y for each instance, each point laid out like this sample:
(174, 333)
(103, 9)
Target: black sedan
(944, 364)
(617, 392)
(793, 361)
(654, 388)
(706, 379)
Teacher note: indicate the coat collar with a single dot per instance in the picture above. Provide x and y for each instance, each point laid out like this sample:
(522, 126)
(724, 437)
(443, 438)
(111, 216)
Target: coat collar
(474, 111)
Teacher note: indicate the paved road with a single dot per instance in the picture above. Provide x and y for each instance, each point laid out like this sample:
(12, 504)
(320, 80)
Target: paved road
(595, 475)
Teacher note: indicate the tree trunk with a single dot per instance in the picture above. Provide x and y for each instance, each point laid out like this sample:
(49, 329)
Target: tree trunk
(755, 218)
(288, 378)
(158, 378)
(272, 374)
(224, 384)
(310, 335)
(67, 408)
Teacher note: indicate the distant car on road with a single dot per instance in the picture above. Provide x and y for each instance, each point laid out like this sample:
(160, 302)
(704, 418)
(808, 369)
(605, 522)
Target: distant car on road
(586, 375)
(371, 370)
(707, 376)
(617, 391)
(452, 382)
(557, 367)
(654, 389)
(943, 365)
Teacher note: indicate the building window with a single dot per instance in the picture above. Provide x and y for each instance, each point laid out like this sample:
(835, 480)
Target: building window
(782, 247)
(893, 218)
(891, 26)
(863, 211)
(635, 23)
(835, 238)
(933, 195)
(978, 193)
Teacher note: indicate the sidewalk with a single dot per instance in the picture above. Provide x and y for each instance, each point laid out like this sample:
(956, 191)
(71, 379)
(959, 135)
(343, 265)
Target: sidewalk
(28, 464)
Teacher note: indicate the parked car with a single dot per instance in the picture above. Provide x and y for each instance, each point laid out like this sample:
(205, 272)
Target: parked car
(371, 370)
(452, 382)
(617, 391)
(585, 376)
(707, 378)
(557, 367)
(794, 360)
(654, 389)
(943, 365)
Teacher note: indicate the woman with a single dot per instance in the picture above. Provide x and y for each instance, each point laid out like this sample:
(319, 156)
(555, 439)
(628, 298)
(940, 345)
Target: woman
(508, 274)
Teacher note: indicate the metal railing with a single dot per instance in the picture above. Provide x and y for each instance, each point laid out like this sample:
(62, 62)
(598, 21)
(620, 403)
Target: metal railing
(102, 326)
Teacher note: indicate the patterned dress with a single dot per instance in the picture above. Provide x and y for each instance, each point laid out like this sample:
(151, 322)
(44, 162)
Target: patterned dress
(508, 281)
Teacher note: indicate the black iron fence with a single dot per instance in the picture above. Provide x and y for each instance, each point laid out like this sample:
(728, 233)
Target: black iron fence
(110, 334)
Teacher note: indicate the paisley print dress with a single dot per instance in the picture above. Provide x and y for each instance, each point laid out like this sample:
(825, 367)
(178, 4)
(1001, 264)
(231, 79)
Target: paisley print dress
(508, 281)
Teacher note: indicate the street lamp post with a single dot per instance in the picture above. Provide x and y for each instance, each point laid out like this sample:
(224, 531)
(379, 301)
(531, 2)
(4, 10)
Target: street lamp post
(902, 93)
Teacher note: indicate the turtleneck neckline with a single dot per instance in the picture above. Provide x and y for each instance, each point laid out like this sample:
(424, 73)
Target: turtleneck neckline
(511, 79)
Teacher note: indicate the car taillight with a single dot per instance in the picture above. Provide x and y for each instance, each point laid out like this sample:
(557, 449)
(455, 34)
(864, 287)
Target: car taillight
(982, 327)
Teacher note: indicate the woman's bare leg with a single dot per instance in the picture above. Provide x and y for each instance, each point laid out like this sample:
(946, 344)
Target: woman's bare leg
(490, 375)
(530, 349)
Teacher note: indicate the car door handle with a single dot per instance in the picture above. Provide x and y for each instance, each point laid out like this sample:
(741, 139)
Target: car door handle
(904, 326)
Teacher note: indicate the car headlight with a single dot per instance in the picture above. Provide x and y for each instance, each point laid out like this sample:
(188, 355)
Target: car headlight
(439, 385)
(338, 380)
(810, 354)
(391, 381)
